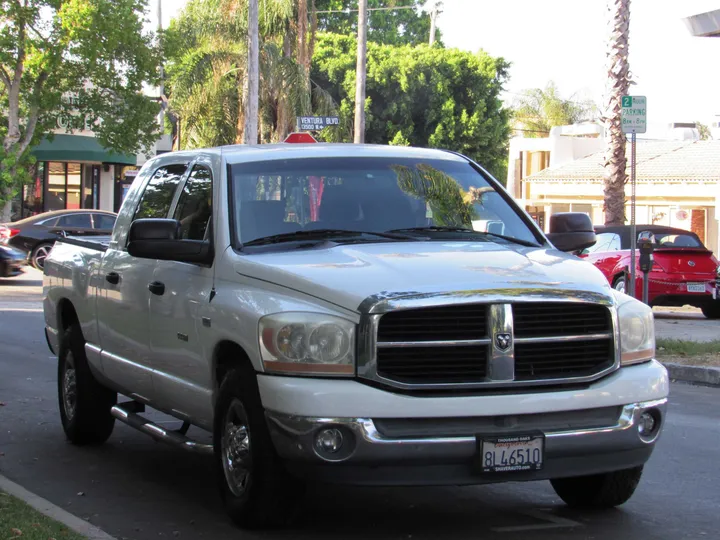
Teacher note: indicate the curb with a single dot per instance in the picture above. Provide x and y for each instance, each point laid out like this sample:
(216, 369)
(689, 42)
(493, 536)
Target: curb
(47, 508)
(694, 374)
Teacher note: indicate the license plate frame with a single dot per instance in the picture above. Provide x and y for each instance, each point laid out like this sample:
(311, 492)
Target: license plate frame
(516, 445)
(694, 287)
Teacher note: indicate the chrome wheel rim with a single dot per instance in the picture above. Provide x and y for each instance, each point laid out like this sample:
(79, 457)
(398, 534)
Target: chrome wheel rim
(40, 256)
(235, 447)
(69, 385)
(620, 286)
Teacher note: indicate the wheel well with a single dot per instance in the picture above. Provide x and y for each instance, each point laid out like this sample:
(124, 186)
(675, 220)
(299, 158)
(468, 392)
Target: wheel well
(620, 274)
(228, 355)
(67, 316)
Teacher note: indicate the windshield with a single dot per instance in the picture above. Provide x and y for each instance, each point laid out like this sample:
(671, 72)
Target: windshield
(373, 195)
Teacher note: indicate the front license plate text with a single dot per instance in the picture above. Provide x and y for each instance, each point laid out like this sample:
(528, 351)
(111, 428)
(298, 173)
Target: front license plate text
(508, 454)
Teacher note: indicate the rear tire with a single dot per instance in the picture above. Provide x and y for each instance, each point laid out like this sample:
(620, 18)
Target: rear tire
(39, 254)
(620, 284)
(598, 491)
(255, 487)
(712, 310)
(84, 403)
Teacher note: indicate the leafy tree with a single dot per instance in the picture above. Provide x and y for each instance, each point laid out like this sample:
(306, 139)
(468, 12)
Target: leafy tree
(422, 95)
(83, 60)
(538, 110)
(390, 27)
(704, 131)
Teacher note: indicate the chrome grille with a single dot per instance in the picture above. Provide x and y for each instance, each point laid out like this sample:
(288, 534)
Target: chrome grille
(466, 344)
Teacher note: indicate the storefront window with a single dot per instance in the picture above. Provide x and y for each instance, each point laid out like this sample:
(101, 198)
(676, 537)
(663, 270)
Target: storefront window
(74, 181)
(124, 176)
(55, 187)
(33, 193)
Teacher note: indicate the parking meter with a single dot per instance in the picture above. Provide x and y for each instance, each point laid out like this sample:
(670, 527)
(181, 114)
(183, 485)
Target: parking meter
(646, 245)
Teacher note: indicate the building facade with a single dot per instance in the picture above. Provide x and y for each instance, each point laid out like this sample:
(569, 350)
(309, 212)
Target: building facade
(678, 184)
(74, 171)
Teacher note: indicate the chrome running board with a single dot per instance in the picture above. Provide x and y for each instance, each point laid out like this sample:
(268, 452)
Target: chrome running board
(125, 413)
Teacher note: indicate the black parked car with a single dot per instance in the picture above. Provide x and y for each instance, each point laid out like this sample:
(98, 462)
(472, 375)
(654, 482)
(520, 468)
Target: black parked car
(11, 261)
(36, 235)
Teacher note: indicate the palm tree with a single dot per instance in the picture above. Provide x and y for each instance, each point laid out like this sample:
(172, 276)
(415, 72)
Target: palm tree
(538, 110)
(618, 82)
(207, 71)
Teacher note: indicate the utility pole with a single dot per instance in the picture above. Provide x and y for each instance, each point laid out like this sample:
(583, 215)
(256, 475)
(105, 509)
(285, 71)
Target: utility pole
(361, 73)
(434, 14)
(253, 76)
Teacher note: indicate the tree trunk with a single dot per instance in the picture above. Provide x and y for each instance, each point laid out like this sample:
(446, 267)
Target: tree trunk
(303, 54)
(618, 82)
(434, 14)
(361, 73)
(6, 213)
(253, 76)
(283, 109)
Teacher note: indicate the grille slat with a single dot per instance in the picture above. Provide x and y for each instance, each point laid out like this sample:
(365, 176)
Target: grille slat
(534, 361)
(434, 324)
(561, 319)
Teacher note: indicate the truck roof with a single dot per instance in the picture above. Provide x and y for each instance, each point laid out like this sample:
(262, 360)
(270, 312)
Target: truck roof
(239, 153)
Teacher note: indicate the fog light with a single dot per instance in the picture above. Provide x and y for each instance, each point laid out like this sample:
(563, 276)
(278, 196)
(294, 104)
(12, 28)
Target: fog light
(646, 425)
(329, 440)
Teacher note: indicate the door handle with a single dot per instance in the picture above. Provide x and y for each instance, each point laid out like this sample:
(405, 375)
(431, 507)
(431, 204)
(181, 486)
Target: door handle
(112, 277)
(156, 287)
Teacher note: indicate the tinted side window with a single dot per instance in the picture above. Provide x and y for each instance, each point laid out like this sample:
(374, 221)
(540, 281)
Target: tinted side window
(158, 195)
(104, 222)
(194, 208)
(81, 221)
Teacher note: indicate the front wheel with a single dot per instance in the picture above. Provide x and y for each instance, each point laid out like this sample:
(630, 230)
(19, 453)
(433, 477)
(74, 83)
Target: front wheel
(84, 403)
(711, 310)
(600, 490)
(254, 485)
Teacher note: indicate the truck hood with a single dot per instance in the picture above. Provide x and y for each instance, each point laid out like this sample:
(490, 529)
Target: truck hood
(347, 275)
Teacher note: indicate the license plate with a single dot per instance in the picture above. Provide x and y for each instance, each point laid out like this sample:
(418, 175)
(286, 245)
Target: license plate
(696, 287)
(510, 454)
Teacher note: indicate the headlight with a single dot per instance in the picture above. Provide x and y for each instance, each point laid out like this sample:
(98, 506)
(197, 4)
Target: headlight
(637, 330)
(307, 344)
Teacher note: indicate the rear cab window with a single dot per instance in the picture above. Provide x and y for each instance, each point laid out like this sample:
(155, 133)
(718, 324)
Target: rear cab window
(194, 207)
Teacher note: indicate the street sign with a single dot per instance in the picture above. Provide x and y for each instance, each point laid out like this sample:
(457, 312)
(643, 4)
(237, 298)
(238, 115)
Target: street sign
(315, 123)
(300, 138)
(634, 114)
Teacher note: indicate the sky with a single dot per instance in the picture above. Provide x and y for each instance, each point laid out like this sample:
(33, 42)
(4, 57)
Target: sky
(564, 41)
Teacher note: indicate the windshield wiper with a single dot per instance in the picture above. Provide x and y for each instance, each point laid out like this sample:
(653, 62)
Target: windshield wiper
(322, 234)
(437, 228)
(431, 228)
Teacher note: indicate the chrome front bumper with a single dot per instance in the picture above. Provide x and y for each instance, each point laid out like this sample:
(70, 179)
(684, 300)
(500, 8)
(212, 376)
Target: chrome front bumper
(368, 457)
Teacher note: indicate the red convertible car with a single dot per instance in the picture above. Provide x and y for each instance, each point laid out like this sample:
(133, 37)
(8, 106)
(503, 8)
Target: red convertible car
(684, 271)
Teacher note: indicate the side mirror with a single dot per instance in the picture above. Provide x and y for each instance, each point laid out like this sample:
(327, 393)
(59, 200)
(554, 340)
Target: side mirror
(160, 239)
(571, 231)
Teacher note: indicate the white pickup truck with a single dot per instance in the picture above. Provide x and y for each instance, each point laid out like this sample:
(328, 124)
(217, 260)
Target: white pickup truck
(358, 314)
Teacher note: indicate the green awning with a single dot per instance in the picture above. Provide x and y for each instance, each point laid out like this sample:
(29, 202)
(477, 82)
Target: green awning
(78, 148)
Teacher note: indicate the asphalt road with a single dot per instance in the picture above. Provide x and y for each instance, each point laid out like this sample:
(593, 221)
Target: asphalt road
(135, 488)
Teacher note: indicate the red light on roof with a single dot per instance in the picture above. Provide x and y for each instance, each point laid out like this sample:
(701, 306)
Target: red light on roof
(300, 137)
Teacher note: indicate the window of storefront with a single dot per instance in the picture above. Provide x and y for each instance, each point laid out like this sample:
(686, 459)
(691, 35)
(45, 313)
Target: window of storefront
(71, 186)
(124, 176)
(32, 193)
